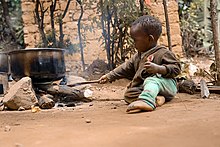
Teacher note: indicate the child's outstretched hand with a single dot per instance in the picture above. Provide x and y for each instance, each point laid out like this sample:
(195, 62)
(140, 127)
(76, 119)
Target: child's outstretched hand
(103, 79)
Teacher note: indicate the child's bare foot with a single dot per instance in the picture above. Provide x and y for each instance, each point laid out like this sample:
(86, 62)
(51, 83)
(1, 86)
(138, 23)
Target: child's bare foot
(139, 106)
(160, 100)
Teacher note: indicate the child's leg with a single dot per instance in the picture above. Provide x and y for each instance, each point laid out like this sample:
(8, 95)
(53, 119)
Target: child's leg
(131, 94)
(152, 87)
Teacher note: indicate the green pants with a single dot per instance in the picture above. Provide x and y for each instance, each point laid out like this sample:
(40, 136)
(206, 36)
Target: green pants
(152, 87)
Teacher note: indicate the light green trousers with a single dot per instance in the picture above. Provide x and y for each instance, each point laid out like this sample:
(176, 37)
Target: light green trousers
(154, 86)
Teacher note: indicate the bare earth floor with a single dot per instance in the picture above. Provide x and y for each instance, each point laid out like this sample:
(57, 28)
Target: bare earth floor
(187, 121)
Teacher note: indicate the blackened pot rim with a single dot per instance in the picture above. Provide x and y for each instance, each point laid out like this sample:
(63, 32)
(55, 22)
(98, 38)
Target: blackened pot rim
(4, 52)
(36, 49)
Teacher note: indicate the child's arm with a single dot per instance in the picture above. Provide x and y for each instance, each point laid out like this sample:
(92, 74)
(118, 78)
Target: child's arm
(172, 65)
(167, 65)
(125, 70)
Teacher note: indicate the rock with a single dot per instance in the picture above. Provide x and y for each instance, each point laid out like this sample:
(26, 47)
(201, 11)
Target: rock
(21, 94)
(7, 128)
(1, 104)
(88, 121)
(2, 107)
(88, 93)
(114, 107)
(21, 108)
(18, 145)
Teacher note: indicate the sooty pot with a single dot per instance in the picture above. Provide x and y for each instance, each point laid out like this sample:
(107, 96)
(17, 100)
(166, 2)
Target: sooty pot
(40, 64)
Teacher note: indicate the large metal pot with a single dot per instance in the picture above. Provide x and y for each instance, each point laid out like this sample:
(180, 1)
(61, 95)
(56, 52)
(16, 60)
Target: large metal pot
(40, 64)
(4, 62)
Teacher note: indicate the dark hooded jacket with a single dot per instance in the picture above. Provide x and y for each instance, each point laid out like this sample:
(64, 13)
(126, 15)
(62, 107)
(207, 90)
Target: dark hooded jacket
(134, 70)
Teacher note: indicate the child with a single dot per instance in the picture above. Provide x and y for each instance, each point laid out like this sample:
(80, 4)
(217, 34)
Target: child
(152, 70)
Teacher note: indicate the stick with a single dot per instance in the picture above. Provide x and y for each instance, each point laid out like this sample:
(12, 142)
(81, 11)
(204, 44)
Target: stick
(82, 83)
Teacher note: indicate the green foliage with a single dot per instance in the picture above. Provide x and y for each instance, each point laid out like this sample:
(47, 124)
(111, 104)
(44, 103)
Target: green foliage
(115, 19)
(14, 8)
(191, 26)
(196, 26)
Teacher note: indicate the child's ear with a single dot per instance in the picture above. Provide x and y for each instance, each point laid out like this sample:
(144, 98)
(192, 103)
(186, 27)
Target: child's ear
(151, 38)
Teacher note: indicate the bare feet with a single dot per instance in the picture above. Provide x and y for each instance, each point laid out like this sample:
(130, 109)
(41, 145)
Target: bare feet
(138, 106)
(160, 100)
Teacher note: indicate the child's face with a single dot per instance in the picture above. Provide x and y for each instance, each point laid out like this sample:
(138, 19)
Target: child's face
(141, 39)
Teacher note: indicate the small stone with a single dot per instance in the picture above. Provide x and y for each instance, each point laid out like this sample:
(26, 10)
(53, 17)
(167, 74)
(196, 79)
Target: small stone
(2, 107)
(18, 145)
(113, 90)
(114, 107)
(90, 105)
(25, 89)
(21, 108)
(88, 121)
(7, 128)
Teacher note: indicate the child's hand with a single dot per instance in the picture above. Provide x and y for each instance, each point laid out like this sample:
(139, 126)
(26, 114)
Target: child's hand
(103, 79)
(155, 68)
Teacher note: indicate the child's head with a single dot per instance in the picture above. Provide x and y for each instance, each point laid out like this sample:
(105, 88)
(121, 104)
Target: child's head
(145, 31)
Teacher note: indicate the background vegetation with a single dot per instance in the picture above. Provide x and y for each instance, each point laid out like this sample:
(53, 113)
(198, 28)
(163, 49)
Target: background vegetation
(11, 27)
(114, 20)
(196, 27)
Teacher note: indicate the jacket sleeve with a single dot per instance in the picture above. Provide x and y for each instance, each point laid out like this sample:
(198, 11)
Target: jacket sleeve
(172, 64)
(125, 70)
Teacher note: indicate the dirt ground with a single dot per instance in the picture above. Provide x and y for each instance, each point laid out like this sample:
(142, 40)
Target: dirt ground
(187, 121)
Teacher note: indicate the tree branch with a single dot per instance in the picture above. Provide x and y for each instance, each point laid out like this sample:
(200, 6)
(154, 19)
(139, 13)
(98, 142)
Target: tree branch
(40, 22)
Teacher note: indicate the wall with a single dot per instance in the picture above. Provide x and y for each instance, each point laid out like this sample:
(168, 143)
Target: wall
(93, 49)
(158, 11)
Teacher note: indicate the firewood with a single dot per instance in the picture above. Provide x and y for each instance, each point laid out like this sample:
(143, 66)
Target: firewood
(45, 101)
(65, 93)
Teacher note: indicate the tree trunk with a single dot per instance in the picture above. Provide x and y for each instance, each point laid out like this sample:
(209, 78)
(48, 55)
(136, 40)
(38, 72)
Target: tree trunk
(109, 52)
(61, 16)
(40, 21)
(167, 24)
(80, 36)
(7, 19)
(60, 21)
(141, 6)
(114, 31)
(213, 9)
(206, 21)
(52, 9)
(103, 22)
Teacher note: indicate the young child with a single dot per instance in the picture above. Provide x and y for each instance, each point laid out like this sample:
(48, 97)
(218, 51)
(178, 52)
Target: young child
(151, 70)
